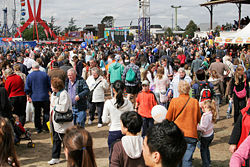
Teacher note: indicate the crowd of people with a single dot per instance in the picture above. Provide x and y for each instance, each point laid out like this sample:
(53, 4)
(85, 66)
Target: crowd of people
(68, 84)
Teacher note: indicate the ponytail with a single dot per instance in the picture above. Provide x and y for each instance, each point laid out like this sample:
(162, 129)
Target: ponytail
(119, 98)
(119, 87)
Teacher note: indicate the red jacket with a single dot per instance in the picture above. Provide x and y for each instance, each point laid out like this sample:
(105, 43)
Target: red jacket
(14, 85)
(182, 58)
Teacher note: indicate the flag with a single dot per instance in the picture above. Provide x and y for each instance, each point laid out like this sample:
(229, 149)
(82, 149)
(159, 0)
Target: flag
(125, 35)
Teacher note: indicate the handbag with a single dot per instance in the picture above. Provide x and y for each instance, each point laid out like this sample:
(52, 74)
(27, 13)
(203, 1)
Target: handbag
(90, 95)
(63, 117)
(241, 94)
(182, 109)
(163, 97)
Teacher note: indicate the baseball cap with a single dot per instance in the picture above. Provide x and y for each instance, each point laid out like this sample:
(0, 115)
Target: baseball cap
(145, 82)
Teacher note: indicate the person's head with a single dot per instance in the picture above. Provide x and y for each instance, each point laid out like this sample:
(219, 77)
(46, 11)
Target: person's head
(209, 105)
(152, 67)
(164, 62)
(55, 64)
(96, 72)
(164, 145)
(182, 72)
(145, 85)
(39, 61)
(92, 63)
(214, 74)
(183, 87)
(8, 72)
(20, 59)
(7, 147)
(131, 123)
(57, 84)
(78, 147)
(200, 74)
(35, 66)
(118, 88)
(71, 74)
(75, 59)
(239, 73)
(16, 67)
(160, 72)
(217, 58)
(132, 60)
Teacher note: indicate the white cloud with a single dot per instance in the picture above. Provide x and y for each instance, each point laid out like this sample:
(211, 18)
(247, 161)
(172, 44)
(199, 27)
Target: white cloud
(92, 11)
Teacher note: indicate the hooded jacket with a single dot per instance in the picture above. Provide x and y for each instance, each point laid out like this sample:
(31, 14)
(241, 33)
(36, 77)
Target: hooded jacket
(112, 114)
(115, 71)
(128, 152)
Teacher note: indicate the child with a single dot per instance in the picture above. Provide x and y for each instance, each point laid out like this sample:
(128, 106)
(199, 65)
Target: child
(128, 151)
(145, 101)
(206, 127)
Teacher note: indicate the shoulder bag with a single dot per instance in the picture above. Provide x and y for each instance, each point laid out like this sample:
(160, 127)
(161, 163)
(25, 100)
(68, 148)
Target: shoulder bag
(182, 109)
(63, 117)
(90, 96)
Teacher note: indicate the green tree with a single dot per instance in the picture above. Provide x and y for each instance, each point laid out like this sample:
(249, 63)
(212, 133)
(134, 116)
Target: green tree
(72, 26)
(217, 30)
(108, 21)
(190, 29)
(28, 33)
(53, 27)
(168, 32)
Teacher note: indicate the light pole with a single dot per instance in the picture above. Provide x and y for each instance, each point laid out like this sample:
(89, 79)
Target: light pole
(175, 7)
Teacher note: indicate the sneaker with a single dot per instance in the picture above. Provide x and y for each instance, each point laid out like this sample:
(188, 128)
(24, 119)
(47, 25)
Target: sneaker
(90, 122)
(99, 125)
(53, 161)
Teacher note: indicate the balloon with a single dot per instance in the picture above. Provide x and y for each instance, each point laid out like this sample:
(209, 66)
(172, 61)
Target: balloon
(83, 45)
(159, 113)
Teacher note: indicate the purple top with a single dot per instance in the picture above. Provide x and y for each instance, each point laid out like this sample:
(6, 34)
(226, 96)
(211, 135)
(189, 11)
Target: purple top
(72, 92)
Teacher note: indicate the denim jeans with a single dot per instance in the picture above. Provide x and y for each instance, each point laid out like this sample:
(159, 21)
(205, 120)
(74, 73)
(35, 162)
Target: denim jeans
(79, 117)
(113, 136)
(204, 150)
(147, 123)
(187, 158)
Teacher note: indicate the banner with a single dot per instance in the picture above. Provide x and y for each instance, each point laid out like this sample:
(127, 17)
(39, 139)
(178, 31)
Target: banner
(112, 35)
(92, 38)
(125, 35)
(89, 38)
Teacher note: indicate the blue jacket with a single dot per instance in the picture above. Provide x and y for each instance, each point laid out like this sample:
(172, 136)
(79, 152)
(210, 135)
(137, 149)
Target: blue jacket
(82, 90)
(38, 86)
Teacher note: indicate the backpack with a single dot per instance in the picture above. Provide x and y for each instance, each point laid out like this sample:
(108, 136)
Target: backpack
(205, 92)
(130, 75)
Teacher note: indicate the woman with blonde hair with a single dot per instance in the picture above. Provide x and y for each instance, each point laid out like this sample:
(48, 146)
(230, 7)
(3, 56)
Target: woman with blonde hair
(78, 147)
(8, 156)
(185, 113)
(239, 91)
(161, 83)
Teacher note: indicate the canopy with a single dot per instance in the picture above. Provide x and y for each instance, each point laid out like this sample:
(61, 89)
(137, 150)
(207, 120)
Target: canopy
(241, 37)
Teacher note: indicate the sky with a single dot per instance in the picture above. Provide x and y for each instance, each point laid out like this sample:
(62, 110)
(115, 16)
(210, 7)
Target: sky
(125, 11)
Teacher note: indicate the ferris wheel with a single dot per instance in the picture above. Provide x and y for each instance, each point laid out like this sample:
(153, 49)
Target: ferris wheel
(13, 13)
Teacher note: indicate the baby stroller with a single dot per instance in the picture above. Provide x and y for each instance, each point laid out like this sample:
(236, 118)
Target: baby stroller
(22, 134)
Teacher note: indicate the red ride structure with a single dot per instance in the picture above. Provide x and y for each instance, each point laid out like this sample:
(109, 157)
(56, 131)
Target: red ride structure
(36, 17)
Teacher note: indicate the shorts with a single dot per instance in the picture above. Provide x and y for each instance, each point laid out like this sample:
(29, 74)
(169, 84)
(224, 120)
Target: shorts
(132, 89)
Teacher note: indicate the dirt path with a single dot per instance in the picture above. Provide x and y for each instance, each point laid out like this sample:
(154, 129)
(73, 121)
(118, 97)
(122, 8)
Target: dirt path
(38, 156)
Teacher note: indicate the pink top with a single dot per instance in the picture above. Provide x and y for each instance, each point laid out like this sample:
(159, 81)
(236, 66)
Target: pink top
(241, 154)
(206, 124)
(161, 84)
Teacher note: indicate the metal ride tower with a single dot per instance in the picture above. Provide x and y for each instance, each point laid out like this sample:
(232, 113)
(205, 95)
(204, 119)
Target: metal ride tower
(144, 21)
(5, 30)
(14, 25)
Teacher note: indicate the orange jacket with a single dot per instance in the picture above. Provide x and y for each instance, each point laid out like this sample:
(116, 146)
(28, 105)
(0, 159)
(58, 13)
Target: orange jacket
(189, 118)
